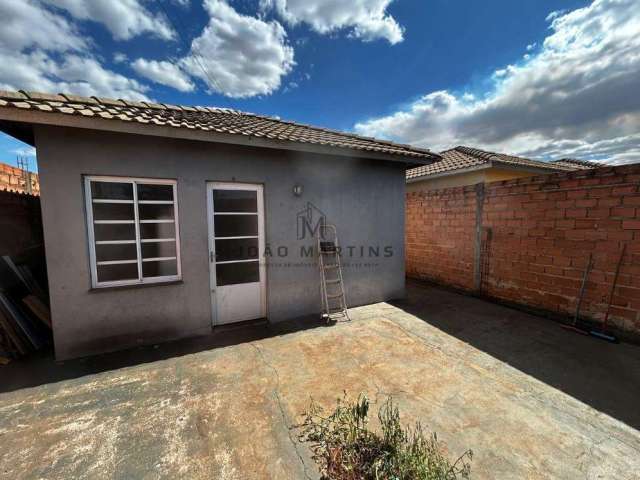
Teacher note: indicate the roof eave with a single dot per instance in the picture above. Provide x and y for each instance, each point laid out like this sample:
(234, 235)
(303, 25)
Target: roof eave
(448, 173)
(35, 117)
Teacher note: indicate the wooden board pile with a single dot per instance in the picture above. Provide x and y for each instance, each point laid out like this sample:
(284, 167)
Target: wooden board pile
(25, 319)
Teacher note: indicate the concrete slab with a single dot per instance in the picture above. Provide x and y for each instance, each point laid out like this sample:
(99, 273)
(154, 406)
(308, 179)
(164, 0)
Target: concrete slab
(603, 375)
(227, 413)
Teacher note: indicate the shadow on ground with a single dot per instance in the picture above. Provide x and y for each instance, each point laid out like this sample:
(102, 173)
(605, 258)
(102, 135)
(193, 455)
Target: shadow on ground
(41, 367)
(603, 375)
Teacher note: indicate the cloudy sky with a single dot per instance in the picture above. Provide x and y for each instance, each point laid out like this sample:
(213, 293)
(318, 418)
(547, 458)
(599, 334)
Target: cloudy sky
(540, 78)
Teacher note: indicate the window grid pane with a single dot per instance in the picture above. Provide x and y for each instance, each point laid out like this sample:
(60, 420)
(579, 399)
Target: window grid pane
(112, 190)
(135, 231)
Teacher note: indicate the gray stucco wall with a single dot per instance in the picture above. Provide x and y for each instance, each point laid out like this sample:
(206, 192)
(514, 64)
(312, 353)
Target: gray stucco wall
(364, 198)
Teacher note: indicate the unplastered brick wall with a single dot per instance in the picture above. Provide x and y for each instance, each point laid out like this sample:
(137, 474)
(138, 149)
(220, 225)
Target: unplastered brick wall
(527, 241)
(15, 179)
(439, 235)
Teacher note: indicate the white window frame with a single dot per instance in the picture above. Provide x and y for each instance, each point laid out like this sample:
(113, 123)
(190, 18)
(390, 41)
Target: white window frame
(134, 181)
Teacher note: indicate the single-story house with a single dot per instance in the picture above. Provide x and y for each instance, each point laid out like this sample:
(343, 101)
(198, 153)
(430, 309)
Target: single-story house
(164, 221)
(467, 166)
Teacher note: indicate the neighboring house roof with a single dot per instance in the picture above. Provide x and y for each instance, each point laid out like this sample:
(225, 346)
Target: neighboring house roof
(577, 164)
(462, 158)
(218, 124)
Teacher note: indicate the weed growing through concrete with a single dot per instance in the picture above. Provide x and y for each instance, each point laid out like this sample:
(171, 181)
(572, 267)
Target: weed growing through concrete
(346, 448)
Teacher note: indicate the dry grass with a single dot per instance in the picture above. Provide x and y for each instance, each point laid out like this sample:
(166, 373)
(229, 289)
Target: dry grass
(345, 448)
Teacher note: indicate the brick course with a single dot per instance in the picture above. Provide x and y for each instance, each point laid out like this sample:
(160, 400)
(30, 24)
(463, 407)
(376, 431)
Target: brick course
(14, 179)
(542, 230)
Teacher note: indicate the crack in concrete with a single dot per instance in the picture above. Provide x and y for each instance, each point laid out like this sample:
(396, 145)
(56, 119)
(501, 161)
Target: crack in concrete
(283, 414)
(387, 393)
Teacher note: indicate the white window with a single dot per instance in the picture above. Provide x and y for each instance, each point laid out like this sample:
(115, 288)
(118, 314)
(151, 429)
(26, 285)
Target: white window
(133, 230)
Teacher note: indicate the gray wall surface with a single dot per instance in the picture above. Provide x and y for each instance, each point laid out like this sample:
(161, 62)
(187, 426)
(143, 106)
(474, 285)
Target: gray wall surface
(363, 198)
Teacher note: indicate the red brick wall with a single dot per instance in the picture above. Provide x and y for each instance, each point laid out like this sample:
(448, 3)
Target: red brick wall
(537, 236)
(14, 179)
(439, 236)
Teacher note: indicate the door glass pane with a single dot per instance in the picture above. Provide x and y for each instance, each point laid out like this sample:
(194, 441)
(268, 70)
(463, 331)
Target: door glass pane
(157, 230)
(158, 249)
(117, 231)
(122, 271)
(155, 192)
(235, 201)
(112, 190)
(120, 251)
(235, 225)
(155, 212)
(113, 211)
(241, 249)
(162, 268)
(234, 273)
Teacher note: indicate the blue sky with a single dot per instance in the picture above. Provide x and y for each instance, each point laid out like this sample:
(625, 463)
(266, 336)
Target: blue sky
(435, 73)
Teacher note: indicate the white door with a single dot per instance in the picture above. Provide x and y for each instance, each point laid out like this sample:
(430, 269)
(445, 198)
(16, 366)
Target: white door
(236, 251)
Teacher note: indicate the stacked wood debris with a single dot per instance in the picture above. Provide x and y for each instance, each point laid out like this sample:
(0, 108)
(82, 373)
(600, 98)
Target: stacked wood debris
(25, 319)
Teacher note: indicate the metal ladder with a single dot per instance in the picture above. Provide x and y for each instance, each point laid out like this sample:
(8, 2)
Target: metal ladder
(334, 302)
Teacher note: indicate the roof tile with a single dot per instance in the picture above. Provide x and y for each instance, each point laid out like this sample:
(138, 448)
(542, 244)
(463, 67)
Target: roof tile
(44, 96)
(168, 106)
(132, 103)
(220, 120)
(79, 99)
(577, 164)
(461, 158)
(110, 102)
(156, 106)
(7, 95)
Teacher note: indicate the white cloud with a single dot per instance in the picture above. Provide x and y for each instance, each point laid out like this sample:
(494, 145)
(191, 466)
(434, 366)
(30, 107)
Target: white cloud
(365, 19)
(555, 14)
(164, 73)
(40, 50)
(26, 151)
(576, 95)
(87, 76)
(238, 55)
(120, 57)
(26, 25)
(82, 75)
(623, 149)
(125, 19)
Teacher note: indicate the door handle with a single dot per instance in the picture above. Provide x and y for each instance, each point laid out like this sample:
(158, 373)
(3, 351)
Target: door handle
(211, 257)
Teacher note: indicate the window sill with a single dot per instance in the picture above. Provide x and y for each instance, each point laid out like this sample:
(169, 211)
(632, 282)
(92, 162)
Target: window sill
(134, 286)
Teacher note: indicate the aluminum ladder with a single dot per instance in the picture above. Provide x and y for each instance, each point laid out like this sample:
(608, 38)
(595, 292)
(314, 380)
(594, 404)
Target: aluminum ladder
(334, 302)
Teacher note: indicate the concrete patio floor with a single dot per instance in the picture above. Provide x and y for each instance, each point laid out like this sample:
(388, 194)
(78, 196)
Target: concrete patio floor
(226, 413)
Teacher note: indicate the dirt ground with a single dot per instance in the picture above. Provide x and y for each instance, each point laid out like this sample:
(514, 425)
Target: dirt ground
(227, 413)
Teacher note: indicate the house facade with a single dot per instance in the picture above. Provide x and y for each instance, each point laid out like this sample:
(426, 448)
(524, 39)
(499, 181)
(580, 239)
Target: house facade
(163, 222)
